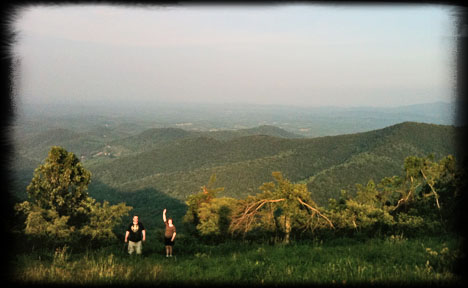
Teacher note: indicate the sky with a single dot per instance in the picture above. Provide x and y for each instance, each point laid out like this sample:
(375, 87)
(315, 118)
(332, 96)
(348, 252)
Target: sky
(295, 55)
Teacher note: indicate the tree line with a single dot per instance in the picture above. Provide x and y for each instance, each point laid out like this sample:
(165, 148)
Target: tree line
(423, 199)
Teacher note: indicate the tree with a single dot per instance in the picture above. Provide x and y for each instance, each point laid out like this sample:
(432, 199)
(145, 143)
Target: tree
(194, 203)
(60, 206)
(424, 175)
(61, 184)
(282, 206)
(422, 198)
(215, 216)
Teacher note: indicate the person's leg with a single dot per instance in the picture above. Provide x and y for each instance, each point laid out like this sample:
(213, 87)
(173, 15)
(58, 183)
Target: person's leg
(131, 247)
(167, 251)
(138, 247)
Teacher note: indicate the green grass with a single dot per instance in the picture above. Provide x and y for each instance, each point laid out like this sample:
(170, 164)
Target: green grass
(344, 260)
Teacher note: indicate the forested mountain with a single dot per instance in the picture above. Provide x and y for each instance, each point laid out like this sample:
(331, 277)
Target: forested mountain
(326, 164)
(102, 144)
(36, 146)
(177, 162)
(156, 137)
(133, 154)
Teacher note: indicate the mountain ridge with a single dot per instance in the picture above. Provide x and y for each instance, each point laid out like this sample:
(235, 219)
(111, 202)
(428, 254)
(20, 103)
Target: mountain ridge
(177, 162)
(243, 164)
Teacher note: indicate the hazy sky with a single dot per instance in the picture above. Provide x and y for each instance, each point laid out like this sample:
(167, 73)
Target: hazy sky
(309, 55)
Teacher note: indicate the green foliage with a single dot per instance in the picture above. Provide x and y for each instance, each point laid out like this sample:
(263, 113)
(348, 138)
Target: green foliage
(215, 216)
(242, 164)
(178, 162)
(60, 207)
(422, 198)
(45, 223)
(411, 204)
(363, 213)
(201, 208)
(102, 218)
(60, 184)
(281, 207)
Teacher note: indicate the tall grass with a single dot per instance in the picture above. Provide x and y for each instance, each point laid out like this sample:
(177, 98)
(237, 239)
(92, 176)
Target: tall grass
(392, 260)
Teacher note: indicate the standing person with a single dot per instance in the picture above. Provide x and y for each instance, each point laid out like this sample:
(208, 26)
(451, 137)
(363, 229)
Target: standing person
(169, 234)
(135, 234)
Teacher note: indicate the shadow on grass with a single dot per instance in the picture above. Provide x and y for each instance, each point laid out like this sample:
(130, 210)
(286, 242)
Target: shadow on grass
(147, 203)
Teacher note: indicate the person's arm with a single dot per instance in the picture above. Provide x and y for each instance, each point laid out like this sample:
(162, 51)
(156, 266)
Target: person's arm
(164, 215)
(144, 235)
(126, 236)
(173, 236)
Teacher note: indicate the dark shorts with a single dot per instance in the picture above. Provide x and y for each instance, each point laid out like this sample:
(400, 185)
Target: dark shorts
(168, 242)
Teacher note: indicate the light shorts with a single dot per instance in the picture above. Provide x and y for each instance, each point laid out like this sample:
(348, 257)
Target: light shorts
(134, 246)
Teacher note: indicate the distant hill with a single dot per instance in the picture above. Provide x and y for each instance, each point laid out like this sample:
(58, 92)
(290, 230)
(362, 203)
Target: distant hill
(267, 130)
(159, 137)
(150, 138)
(147, 160)
(101, 146)
(37, 146)
(306, 121)
(326, 164)
(329, 148)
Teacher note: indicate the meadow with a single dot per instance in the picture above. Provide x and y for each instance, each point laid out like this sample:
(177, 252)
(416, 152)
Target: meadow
(344, 260)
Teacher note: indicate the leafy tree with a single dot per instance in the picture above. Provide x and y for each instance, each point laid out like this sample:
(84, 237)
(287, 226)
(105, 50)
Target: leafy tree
(194, 203)
(43, 222)
(424, 176)
(415, 202)
(102, 218)
(282, 206)
(60, 206)
(60, 184)
(436, 199)
(365, 212)
(215, 216)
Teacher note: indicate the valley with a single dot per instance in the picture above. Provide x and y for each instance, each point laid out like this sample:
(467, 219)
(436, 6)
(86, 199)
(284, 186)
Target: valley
(128, 156)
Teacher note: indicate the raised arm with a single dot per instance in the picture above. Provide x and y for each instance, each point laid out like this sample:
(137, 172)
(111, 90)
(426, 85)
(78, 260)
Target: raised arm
(164, 215)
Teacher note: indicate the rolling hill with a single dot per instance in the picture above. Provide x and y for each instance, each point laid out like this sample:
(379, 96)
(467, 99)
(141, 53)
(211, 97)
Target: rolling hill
(159, 167)
(101, 145)
(147, 161)
(327, 164)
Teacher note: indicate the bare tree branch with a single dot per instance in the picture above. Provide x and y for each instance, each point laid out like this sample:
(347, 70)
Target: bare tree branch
(316, 211)
(249, 213)
(432, 188)
(406, 199)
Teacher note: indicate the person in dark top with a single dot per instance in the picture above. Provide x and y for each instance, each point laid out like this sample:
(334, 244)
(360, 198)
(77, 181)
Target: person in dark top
(135, 234)
(169, 234)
